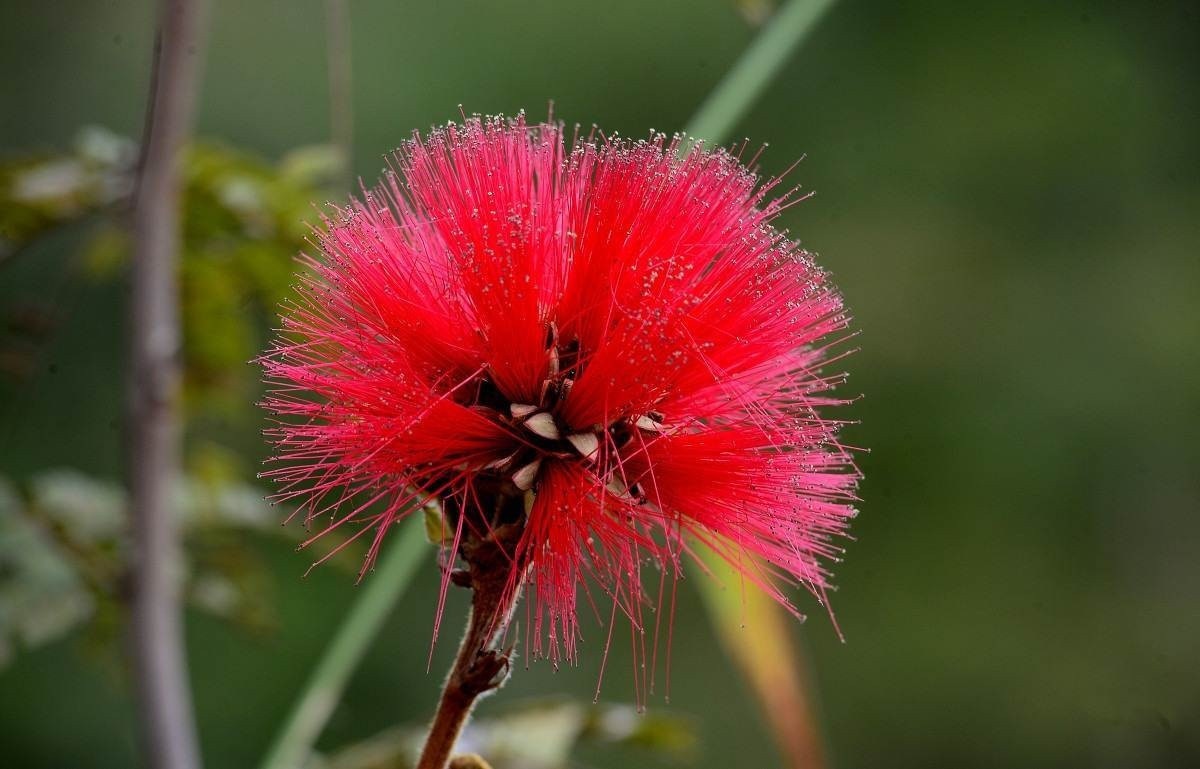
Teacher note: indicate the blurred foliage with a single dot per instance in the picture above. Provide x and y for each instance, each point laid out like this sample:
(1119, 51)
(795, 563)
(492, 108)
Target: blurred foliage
(42, 190)
(63, 538)
(534, 735)
(244, 222)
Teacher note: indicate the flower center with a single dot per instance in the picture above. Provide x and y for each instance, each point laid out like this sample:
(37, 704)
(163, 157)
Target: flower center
(544, 435)
(543, 432)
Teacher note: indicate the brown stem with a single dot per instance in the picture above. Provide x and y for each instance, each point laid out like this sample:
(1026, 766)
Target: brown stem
(159, 660)
(480, 666)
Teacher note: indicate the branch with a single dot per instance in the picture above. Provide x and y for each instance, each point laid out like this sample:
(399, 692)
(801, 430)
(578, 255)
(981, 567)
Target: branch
(481, 665)
(152, 458)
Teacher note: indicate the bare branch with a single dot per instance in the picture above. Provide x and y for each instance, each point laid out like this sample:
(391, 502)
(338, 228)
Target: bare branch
(159, 660)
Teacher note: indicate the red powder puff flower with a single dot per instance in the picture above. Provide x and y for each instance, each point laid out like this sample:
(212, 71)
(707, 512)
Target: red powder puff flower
(603, 347)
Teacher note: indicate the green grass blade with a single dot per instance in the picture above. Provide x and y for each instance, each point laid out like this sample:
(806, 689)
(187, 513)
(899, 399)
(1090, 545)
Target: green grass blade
(752, 73)
(381, 591)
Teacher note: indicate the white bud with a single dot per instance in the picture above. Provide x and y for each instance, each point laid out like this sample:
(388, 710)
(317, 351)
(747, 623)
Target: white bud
(587, 444)
(500, 464)
(523, 479)
(543, 424)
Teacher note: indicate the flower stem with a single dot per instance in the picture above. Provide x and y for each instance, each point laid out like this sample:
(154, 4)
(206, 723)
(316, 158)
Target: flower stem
(466, 682)
(324, 688)
(480, 666)
(737, 92)
(159, 661)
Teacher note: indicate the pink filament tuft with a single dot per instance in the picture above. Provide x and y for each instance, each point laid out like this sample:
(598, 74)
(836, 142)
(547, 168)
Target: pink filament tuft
(639, 302)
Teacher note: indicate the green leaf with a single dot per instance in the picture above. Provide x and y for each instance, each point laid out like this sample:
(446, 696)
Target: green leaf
(437, 530)
(64, 545)
(105, 253)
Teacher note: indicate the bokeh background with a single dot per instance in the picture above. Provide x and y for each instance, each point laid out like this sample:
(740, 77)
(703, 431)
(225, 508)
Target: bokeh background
(1008, 194)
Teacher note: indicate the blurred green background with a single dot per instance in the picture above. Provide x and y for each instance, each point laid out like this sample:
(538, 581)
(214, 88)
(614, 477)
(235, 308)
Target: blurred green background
(1009, 197)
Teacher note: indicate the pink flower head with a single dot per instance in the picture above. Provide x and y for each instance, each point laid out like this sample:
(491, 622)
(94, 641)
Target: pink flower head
(604, 343)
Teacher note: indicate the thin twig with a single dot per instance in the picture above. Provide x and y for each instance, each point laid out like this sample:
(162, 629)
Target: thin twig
(481, 666)
(341, 102)
(159, 659)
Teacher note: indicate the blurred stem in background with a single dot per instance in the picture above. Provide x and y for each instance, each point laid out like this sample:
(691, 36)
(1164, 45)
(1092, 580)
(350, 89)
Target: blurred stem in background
(753, 628)
(750, 75)
(754, 631)
(341, 101)
(153, 429)
(765, 654)
(293, 745)
(387, 582)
